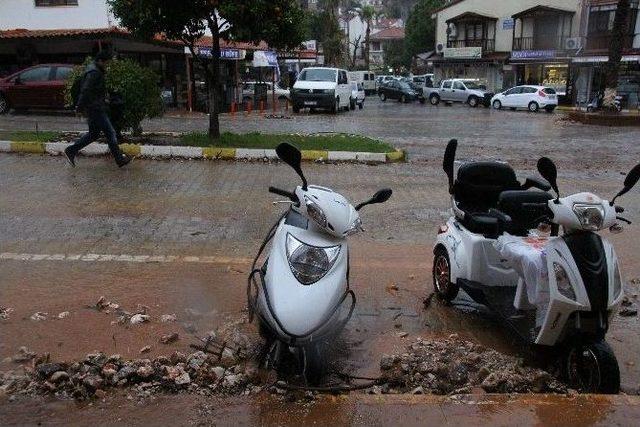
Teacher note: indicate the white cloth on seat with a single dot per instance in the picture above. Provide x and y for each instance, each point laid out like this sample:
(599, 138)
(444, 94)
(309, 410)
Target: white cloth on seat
(527, 256)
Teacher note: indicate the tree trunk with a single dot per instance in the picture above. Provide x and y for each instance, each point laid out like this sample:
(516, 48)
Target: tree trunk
(214, 85)
(619, 32)
(367, 46)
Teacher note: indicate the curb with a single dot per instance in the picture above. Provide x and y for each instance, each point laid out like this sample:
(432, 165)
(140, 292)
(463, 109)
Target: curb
(205, 153)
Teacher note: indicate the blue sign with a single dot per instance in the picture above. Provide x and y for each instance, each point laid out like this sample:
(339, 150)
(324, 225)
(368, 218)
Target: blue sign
(508, 24)
(224, 53)
(533, 54)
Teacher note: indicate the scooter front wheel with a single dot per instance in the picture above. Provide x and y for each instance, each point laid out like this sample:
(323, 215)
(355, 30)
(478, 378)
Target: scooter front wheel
(592, 367)
(315, 364)
(442, 284)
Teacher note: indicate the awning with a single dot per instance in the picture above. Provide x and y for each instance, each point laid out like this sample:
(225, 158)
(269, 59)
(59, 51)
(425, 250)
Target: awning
(542, 10)
(471, 16)
(486, 58)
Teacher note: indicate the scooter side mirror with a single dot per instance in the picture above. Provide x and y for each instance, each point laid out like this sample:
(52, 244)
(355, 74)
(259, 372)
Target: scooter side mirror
(380, 197)
(629, 182)
(292, 156)
(449, 159)
(548, 170)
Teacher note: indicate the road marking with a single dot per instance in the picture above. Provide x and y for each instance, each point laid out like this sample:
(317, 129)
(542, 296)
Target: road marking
(124, 258)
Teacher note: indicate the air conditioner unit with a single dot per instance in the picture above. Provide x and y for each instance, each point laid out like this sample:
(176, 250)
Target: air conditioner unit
(573, 43)
(440, 47)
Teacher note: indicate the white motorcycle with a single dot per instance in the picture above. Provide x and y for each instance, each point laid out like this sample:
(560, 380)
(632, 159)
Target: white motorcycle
(577, 272)
(301, 291)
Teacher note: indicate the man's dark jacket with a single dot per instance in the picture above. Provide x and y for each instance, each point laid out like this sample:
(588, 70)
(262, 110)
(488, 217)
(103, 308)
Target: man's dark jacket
(93, 91)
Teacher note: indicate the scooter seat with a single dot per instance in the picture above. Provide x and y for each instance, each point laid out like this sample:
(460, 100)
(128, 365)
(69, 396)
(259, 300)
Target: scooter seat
(482, 223)
(524, 218)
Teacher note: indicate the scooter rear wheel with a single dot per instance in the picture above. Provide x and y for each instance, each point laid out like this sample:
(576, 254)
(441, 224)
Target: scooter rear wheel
(315, 364)
(592, 367)
(445, 289)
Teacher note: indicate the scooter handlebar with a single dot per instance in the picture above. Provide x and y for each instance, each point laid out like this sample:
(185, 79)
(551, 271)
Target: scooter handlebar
(283, 193)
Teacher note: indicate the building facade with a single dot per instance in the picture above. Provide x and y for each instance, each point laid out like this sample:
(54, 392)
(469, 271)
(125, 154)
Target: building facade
(508, 42)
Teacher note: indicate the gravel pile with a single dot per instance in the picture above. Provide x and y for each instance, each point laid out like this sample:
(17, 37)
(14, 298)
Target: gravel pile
(227, 372)
(453, 366)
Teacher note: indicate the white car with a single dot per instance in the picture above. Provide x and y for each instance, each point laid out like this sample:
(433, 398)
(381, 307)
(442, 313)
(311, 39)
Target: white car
(248, 91)
(357, 95)
(530, 97)
(321, 87)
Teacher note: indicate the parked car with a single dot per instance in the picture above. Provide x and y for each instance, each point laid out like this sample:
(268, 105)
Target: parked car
(417, 88)
(471, 91)
(38, 87)
(382, 80)
(424, 80)
(399, 90)
(248, 91)
(321, 87)
(358, 95)
(530, 97)
(367, 78)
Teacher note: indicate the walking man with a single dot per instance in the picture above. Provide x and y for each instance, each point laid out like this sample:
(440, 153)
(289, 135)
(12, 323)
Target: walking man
(92, 104)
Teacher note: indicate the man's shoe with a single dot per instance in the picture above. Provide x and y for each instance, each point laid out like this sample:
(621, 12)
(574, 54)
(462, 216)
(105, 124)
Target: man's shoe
(71, 156)
(123, 160)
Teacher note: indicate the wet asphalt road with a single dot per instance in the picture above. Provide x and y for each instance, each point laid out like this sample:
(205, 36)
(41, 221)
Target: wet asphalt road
(212, 216)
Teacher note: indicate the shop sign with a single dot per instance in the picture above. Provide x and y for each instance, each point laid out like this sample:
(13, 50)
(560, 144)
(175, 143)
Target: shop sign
(463, 52)
(310, 45)
(533, 54)
(265, 58)
(508, 24)
(233, 54)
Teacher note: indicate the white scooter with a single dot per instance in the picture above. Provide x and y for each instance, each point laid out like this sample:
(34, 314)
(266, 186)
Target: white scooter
(579, 268)
(301, 291)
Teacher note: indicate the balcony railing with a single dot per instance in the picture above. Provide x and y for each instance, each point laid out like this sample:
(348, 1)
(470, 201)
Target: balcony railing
(602, 41)
(539, 43)
(487, 45)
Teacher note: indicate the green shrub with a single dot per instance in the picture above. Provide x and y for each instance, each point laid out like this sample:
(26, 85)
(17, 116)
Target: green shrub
(137, 86)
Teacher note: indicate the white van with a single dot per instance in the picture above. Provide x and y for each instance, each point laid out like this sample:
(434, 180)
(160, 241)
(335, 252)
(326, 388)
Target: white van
(321, 87)
(367, 78)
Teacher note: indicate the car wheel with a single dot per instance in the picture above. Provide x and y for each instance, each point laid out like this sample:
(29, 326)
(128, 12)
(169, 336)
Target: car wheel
(361, 105)
(533, 107)
(444, 288)
(403, 99)
(383, 97)
(589, 109)
(497, 104)
(473, 101)
(434, 99)
(352, 104)
(4, 105)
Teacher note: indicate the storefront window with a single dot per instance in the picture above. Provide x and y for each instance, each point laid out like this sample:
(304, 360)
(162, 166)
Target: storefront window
(551, 75)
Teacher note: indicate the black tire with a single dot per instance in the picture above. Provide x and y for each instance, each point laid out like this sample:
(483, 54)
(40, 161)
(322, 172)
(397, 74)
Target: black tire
(315, 364)
(473, 101)
(434, 99)
(592, 367)
(361, 105)
(402, 99)
(444, 288)
(533, 107)
(336, 107)
(589, 109)
(4, 105)
(352, 104)
(497, 104)
(383, 97)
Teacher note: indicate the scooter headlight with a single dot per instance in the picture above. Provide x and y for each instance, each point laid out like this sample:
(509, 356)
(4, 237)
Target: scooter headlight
(315, 212)
(617, 283)
(310, 263)
(563, 283)
(591, 216)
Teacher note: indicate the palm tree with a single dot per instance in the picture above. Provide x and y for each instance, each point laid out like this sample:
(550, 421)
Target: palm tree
(367, 14)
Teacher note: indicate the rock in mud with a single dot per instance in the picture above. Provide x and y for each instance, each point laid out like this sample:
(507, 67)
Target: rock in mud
(166, 318)
(59, 376)
(137, 319)
(5, 312)
(169, 338)
(145, 349)
(628, 312)
(39, 316)
(46, 370)
(64, 315)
